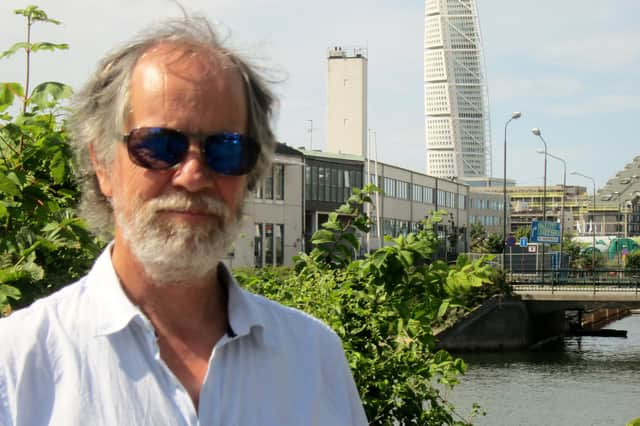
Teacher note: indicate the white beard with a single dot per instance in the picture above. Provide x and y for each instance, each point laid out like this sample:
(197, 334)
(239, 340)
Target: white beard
(177, 253)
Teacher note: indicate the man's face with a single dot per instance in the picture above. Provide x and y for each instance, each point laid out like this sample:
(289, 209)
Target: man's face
(178, 222)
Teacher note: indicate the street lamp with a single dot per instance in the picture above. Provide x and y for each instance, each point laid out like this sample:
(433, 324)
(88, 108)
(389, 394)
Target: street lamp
(514, 116)
(593, 226)
(564, 190)
(537, 132)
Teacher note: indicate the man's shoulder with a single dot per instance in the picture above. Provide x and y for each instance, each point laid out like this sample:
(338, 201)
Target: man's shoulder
(39, 316)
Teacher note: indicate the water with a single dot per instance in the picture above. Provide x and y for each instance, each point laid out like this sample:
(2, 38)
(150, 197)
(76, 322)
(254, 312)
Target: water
(580, 381)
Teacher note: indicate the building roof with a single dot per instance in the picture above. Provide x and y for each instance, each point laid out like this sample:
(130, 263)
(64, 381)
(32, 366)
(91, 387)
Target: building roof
(624, 186)
(284, 149)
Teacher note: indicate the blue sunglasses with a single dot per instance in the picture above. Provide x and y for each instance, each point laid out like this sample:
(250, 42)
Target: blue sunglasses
(160, 148)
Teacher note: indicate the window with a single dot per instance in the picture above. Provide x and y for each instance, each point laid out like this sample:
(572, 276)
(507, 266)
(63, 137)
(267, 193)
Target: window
(268, 244)
(314, 183)
(322, 183)
(307, 182)
(278, 182)
(428, 195)
(279, 242)
(334, 185)
(268, 186)
(257, 246)
(417, 194)
(402, 188)
(389, 187)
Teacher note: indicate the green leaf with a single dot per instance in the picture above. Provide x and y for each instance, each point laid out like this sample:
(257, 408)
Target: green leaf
(8, 92)
(6, 292)
(8, 186)
(36, 14)
(443, 308)
(48, 46)
(23, 45)
(58, 167)
(323, 236)
(353, 240)
(47, 94)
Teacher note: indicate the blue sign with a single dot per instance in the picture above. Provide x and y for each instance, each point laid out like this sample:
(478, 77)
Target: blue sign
(524, 242)
(511, 241)
(545, 232)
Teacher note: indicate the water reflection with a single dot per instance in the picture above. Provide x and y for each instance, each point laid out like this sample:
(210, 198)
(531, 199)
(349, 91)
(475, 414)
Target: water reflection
(579, 380)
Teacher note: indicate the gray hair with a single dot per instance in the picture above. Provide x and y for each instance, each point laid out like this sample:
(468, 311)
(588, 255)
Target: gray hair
(100, 108)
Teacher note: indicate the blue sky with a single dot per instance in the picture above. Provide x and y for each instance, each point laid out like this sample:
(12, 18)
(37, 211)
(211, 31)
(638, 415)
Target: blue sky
(571, 67)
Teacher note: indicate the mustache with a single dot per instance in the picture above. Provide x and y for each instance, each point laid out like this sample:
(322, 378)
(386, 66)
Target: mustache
(179, 201)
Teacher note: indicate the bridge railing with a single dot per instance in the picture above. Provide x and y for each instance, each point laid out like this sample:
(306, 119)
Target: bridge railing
(611, 280)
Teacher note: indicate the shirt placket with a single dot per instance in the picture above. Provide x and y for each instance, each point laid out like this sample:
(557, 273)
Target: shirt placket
(184, 407)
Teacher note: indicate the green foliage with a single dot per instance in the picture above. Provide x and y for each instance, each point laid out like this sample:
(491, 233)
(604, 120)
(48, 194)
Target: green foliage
(585, 259)
(482, 242)
(337, 242)
(384, 308)
(634, 422)
(43, 245)
(522, 231)
(632, 260)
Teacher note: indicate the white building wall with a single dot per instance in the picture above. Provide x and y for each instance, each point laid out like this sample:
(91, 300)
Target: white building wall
(288, 212)
(347, 102)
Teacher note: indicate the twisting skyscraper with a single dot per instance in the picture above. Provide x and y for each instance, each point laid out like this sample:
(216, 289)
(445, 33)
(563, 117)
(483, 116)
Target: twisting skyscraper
(455, 96)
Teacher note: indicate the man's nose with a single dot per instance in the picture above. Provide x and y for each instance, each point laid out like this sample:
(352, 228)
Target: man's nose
(193, 174)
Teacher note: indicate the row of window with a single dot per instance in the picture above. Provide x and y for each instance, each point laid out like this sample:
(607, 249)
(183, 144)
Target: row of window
(483, 204)
(485, 220)
(272, 186)
(330, 184)
(268, 245)
(396, 188)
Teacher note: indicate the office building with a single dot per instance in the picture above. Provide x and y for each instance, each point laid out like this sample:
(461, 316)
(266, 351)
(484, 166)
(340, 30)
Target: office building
(455, 97)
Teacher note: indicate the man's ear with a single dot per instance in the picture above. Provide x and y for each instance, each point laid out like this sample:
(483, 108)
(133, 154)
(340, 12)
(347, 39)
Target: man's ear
(104, 178)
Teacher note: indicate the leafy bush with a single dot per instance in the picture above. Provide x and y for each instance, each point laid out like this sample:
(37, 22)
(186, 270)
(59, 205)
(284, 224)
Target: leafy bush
(383, 307)
(632, 260)
(43, 245)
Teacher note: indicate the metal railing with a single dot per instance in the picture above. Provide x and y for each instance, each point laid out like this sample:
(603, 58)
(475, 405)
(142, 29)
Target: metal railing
(599, 280)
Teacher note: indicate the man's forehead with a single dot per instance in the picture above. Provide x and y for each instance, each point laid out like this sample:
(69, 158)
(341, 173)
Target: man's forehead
(190, 60)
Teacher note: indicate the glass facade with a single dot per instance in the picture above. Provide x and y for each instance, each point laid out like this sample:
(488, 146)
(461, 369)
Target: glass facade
(330, 184)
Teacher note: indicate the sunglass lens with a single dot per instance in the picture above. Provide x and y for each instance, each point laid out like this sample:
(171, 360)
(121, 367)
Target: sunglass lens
(157, 148)
(231, 153)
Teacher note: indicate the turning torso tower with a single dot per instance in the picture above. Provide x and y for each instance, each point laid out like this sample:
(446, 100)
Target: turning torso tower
(455, 96)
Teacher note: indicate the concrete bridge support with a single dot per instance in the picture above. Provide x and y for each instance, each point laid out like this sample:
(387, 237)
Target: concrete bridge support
(499, 324)
(510, 323)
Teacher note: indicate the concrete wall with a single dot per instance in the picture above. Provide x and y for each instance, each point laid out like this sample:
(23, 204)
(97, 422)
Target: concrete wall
(499, 324)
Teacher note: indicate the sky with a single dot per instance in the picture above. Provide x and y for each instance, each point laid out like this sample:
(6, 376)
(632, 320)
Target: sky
(571, 67)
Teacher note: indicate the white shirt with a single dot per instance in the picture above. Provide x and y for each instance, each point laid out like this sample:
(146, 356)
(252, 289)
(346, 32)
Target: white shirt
(87, 356)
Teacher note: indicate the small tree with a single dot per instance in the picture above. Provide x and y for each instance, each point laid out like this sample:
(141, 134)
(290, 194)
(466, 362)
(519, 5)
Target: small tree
(43, 245)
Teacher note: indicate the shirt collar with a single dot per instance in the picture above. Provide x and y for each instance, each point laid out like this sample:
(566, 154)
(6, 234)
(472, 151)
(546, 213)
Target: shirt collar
(246, 312)
(114, 311)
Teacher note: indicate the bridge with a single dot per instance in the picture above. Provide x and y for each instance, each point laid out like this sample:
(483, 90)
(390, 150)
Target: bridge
(570, 289)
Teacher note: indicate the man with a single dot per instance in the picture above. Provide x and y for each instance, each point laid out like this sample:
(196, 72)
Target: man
(171, 133)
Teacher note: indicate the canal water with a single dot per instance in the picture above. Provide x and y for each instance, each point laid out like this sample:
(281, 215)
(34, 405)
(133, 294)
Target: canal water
(579, 381)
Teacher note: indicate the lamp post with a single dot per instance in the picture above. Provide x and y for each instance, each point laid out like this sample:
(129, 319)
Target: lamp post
(593, 226)
(564, 191)
(537, 132)
(514, 116)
